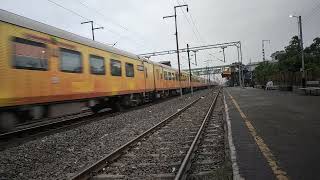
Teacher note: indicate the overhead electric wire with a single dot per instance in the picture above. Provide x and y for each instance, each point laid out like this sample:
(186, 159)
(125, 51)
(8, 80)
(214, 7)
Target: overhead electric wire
(196, 32)
(87, 19)
(194, 24)
(98, 12)
(113, 22)
(313, 12)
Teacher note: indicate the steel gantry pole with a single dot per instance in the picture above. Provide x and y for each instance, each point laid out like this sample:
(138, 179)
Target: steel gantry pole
(239, 65)
(195, 58)
(177, 41)
(190, 74)
(263, 50)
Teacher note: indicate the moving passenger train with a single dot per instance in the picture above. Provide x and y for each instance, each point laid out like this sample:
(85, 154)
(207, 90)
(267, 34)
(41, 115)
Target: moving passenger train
(48, 72)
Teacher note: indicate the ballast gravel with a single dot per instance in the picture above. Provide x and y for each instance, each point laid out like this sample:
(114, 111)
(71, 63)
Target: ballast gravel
(163, 151)
(61, 155)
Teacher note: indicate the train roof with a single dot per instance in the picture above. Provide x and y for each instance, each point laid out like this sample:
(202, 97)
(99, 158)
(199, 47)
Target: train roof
(18, 20)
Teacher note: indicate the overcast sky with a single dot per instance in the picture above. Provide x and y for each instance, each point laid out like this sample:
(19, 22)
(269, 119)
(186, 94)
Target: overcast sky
(137, 25)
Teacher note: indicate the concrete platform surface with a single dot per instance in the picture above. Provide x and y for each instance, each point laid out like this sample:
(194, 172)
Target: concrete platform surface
(284, 139)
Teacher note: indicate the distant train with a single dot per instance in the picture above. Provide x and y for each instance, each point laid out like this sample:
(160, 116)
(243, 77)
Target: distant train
(47, 72)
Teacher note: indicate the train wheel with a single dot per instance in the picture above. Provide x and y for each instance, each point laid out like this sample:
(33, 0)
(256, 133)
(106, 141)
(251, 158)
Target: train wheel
(95, 109)
(116, 107)
(8, 121)
(39, 112)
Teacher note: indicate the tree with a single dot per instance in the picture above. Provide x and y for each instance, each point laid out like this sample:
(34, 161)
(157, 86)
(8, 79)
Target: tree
(264, 71)
(289, 63)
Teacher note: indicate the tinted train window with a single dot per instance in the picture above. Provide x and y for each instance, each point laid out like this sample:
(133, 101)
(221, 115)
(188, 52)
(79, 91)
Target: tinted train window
(129, 70)
(115, 66)
(29, 55)
(97, 65)
(70, 61)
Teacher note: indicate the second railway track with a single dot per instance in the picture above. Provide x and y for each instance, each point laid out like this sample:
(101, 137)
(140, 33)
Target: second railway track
(165, 151)
(31, 131)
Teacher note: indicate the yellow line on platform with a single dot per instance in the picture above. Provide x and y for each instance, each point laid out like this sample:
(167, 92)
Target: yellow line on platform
(278, 172)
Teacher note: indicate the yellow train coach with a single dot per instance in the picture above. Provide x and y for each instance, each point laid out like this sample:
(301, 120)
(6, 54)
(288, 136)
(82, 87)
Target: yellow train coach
(45, 71)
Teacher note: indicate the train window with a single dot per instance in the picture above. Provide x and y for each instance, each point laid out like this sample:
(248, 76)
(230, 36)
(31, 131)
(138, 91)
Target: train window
(29, 55)
(177, 77)
(165, 75)
(129, 70)
(70, 61)
(115, 67)
(97, 65)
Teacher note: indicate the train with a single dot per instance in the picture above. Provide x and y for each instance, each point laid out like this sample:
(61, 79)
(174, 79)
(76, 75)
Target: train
(49, 72)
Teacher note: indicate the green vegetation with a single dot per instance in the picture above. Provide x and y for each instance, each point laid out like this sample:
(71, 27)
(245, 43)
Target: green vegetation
(287, 68)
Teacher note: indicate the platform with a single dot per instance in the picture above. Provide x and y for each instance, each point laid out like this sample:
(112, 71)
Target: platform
(276, 134)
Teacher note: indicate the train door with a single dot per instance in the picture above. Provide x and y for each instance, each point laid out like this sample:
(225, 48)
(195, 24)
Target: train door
(149, 77)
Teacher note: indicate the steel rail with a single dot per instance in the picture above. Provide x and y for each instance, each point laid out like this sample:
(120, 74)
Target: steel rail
(96, 167)
(186, 163)
(68, 118)
(59, 123)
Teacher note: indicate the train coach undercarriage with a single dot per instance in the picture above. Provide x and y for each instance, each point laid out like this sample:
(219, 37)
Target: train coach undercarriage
(13, 116)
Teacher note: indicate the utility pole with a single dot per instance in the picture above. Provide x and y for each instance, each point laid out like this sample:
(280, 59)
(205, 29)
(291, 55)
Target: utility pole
(177, 40)
(92, 28)
(302, 54)
(263, 51)
(303, 80)
(190, 74)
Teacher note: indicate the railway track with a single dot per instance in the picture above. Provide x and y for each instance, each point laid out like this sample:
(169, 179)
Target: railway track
(26, 132)
(164, 151)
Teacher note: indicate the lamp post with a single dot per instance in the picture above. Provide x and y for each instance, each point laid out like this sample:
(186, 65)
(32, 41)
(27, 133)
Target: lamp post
(92, 28)
(177, 40)
(301, 49)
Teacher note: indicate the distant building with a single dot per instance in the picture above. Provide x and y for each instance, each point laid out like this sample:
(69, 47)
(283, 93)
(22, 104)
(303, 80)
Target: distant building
(275, 55)
(251, 66)
(168, 63)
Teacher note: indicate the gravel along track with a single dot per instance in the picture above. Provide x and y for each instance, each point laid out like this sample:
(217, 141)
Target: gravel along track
(160, 155)
(60, 155)
(210, 160)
